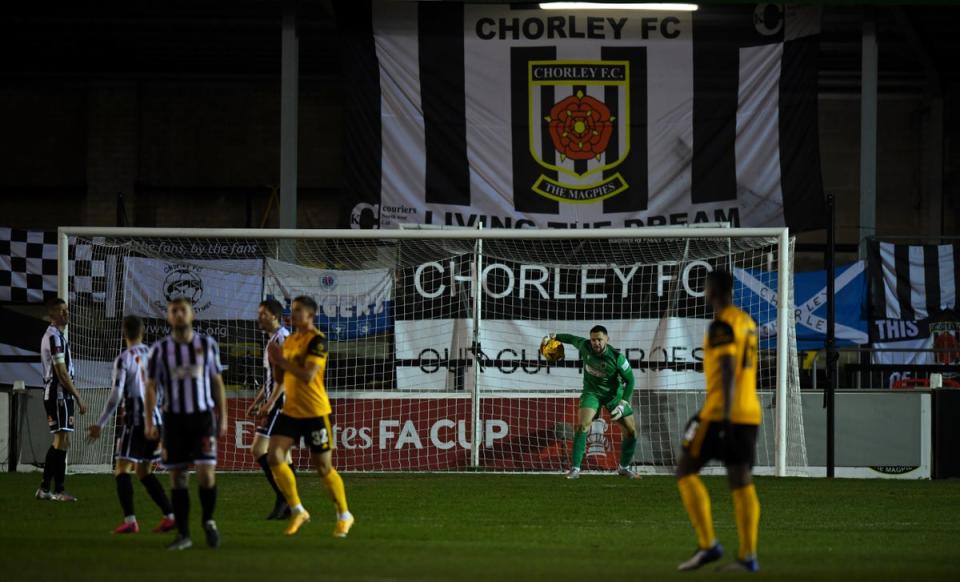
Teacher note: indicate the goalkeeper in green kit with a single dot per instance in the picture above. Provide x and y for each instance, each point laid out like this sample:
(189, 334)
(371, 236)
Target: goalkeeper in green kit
(603, 369)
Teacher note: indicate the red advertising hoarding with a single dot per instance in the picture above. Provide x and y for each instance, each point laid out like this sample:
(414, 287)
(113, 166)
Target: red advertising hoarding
(434, 434)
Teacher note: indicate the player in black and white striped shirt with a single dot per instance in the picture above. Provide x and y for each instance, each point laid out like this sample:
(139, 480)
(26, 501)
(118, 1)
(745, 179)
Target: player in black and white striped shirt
(268, 402)
(184, 373)
(59, 397)
(134, 451)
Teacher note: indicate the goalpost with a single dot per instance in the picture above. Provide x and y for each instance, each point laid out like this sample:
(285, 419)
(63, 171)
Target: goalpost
(434, 334)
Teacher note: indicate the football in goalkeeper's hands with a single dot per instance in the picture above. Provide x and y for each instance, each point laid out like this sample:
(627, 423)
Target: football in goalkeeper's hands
(551, 349)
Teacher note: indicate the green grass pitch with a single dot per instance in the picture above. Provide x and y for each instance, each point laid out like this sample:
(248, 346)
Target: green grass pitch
(502, 527)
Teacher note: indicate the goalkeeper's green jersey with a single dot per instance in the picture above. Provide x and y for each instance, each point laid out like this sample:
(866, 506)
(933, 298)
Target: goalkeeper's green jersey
(603, 372)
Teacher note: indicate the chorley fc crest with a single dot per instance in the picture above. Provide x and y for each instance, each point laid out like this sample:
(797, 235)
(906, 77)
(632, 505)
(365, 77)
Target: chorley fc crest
(579, 127)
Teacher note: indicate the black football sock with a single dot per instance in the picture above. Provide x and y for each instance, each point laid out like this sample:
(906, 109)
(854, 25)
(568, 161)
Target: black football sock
(49, 468)
(156, 492)
(60, 476)
(181, 510)
(208, 501)
(262, 461)
(125, 493)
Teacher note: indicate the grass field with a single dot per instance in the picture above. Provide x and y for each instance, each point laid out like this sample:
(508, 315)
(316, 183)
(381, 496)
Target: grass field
(489, 526)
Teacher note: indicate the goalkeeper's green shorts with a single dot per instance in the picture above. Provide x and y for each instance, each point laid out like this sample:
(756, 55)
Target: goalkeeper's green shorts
(592, 400)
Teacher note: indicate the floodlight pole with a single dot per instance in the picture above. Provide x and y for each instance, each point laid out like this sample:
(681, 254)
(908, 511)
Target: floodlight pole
(289, 103)
(830, 343)
(868, 132)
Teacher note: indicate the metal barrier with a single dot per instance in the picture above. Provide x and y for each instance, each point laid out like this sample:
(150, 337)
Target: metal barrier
(926, 368)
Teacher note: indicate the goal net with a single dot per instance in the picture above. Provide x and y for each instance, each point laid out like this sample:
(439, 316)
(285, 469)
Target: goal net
(434, 335)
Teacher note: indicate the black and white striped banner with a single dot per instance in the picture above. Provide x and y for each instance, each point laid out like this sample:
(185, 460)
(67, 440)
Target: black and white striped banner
(523, 117)
(913, 306)
(913, 282)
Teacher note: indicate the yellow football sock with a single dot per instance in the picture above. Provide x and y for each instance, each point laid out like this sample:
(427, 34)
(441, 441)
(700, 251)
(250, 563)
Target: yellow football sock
(338, 494)
(746, 507)
(287, 483)
(696, 501)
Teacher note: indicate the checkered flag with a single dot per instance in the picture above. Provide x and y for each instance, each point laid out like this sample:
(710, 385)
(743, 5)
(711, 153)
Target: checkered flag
(88, 273)
(28, 267)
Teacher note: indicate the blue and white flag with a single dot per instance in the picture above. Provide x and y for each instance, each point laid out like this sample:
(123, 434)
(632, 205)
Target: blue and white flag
(352, 303)
(756, 292)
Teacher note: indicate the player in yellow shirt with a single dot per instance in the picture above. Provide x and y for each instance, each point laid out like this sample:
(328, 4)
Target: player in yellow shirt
(300, 365)
(725, 429)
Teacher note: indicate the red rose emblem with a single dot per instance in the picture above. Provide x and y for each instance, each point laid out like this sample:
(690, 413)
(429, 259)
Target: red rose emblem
(580, 127)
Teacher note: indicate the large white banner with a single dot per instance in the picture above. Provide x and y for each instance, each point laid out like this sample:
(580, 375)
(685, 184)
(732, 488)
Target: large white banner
(438, 355)
(217, 289)
(522, 117)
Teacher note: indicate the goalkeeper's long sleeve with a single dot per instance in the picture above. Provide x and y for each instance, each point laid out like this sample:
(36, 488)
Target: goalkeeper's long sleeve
(626, 372)
(573, 340)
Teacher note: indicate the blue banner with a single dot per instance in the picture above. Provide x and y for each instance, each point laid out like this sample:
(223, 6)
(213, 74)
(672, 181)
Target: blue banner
(756, 292)
(343, 327)
(351, 303)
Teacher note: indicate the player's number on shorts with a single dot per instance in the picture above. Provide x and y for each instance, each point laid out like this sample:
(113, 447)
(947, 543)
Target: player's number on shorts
(318, 438)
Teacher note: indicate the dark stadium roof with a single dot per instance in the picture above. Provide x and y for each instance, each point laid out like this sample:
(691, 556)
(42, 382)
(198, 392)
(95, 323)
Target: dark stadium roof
(240, 40)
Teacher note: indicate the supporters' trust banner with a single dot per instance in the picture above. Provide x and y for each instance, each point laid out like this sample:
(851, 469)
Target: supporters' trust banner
(351, 303)
(217, 289)
(522, 117)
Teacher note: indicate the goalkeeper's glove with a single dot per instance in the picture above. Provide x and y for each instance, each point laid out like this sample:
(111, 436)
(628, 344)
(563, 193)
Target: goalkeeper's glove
(616, 413)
